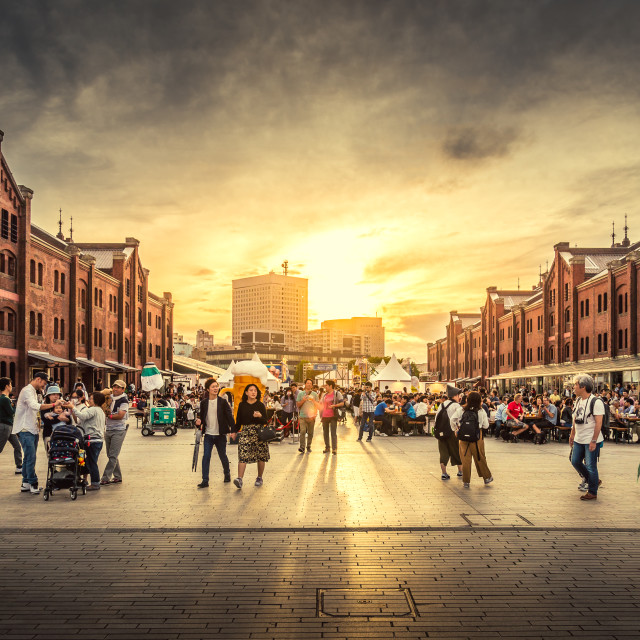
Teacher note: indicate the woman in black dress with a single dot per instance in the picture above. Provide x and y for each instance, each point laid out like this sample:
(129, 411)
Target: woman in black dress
(251, 414)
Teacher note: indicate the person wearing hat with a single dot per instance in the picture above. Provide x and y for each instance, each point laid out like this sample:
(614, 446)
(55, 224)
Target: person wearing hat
(447, 441)
(115, 431)
(48, 418)
(25, 426)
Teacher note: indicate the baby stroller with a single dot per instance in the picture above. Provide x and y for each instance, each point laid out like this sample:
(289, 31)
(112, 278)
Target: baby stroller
(66, 461)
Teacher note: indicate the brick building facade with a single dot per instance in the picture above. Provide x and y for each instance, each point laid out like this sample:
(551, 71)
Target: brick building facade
(581, 317)
(75, 309)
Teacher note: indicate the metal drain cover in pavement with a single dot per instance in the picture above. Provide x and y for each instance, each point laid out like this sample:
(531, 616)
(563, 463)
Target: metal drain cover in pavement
(496, 520)
(366, 603)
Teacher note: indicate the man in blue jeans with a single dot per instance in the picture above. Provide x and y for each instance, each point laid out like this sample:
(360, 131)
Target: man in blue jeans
(367, 407)
(216, 422)
(25, 426)
(586, 433)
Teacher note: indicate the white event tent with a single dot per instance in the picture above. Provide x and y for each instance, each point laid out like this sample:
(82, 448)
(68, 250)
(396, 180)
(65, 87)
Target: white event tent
(393, 376)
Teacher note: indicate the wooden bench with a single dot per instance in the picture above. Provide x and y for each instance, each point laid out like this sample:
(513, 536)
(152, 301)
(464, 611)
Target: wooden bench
(418, 427)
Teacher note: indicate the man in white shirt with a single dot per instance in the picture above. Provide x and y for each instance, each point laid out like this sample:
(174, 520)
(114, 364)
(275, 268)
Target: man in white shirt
(25, 426)
(586, 433)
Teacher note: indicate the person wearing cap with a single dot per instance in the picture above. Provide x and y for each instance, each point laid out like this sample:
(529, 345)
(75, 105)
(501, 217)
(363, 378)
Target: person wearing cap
(47, 418)
(115, 431)
(448, 444)
(25, 426)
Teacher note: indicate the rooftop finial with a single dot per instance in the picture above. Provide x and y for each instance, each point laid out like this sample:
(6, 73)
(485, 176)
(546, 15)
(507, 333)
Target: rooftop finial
(60, 234)
(626, 242)
(71, 230)
(613, 234)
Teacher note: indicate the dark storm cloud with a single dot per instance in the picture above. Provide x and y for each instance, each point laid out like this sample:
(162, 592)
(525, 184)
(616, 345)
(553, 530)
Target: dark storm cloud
(470, 143)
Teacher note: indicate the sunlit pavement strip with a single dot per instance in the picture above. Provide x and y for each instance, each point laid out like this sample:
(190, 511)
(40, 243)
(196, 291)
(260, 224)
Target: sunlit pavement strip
(156, 558)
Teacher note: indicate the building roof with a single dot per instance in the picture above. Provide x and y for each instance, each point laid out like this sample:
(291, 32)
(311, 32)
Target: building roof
(104, 254)
(45, 236)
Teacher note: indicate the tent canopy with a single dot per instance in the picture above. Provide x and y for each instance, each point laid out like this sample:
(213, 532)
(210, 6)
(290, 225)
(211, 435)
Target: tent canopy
(393, 372)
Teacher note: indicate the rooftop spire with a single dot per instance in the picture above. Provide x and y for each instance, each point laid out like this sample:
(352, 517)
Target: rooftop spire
(626, 242)
(71, 230)
(613, 234)
(60, 235)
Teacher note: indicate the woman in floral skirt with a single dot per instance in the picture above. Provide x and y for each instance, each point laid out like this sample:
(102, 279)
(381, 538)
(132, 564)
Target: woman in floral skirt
(251, 414)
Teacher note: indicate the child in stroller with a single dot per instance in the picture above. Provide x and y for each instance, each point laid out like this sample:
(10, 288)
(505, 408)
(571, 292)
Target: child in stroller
(66, 458)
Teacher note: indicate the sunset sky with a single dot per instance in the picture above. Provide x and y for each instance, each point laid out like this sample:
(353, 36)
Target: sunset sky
(402, 155)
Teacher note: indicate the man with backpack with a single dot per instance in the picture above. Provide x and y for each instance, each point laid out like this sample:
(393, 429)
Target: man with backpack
(590, 415)
(447, 420)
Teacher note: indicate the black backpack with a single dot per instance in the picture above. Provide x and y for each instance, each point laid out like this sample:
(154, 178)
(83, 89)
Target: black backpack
(606, 418)
(443, 428)
(469, 430)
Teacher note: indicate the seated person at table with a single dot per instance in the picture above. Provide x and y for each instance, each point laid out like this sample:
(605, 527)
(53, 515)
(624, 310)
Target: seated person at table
(539, 410)
(566, 415)
(382, 412)
(422, 409)
(501, 415)
(549, 414)
(408, 413)
(629, 408)
(515, 411)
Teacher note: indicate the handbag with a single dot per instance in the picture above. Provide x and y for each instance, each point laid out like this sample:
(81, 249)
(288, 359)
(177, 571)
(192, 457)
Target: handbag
(266, 433)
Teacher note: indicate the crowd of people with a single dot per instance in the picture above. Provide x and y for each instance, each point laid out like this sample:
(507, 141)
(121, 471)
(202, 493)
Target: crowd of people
(462, 419)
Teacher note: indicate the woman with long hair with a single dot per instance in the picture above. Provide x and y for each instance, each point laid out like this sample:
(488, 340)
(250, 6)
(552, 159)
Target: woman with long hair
(251, 414)
(475, 450)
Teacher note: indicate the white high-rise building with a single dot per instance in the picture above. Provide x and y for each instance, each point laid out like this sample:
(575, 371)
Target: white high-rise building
(273, 302)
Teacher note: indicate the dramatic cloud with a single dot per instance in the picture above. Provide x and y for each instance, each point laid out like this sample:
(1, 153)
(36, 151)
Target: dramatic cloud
(476, 144)
(402, 155)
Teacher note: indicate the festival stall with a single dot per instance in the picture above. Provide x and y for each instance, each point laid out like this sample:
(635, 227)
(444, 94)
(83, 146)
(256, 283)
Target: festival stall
(393, 376)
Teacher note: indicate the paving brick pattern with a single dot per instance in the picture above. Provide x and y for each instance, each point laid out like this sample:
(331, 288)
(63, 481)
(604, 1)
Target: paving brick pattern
(190, 585)
(390, 482)
(157, 558)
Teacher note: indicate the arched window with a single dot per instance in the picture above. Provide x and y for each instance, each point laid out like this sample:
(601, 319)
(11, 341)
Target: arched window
(3, 369)
(32, 271)
(127, 358)
(40, 273)
(56, 280)
(12, 372)
(63, 282)
(40, 324)
(550, 353)
(55, 326)
(83, 298)
(32, 323)
(61, 328)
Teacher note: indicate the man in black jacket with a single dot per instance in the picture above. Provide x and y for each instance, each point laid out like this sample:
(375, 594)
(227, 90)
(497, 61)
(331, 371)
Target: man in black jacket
(215, 422)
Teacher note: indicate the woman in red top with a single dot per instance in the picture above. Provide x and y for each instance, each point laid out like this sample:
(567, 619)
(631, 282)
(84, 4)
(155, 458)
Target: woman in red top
(331, 400)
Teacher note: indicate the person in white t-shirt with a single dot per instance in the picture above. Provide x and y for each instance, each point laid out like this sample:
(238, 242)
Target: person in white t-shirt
(586, 433)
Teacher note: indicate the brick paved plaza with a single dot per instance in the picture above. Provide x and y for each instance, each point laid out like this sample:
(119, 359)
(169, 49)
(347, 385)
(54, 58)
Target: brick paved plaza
(368, 543)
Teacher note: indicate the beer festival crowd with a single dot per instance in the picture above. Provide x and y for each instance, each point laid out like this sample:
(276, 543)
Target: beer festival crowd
(460, 419)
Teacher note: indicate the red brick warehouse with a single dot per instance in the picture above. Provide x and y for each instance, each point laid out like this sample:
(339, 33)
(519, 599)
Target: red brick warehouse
(581, 317)
(72, 308)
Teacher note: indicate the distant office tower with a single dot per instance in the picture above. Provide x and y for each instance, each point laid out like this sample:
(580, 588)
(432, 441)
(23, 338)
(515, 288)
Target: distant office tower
(270, 303)
(370, 329)
(204, 339)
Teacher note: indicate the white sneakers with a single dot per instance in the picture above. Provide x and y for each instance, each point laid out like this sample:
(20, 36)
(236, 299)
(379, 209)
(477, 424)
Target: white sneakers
(31, 488)
(238, 483)
(18, 471)
(258, 482)
(583, 486)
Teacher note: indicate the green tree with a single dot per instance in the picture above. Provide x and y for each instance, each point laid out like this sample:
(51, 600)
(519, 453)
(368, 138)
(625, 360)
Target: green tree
(414, 370)
(299, 377)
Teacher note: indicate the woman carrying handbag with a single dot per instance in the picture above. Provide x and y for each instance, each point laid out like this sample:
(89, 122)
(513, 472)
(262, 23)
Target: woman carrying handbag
(251, 418)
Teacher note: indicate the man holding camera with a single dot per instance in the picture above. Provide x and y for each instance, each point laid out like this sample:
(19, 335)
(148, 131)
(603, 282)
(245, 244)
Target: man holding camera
(586, 433)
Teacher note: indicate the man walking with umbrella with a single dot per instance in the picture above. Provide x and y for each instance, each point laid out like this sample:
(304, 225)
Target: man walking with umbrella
(215, 422)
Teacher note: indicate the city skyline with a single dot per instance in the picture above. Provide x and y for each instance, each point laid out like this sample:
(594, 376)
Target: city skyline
(408, 155)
